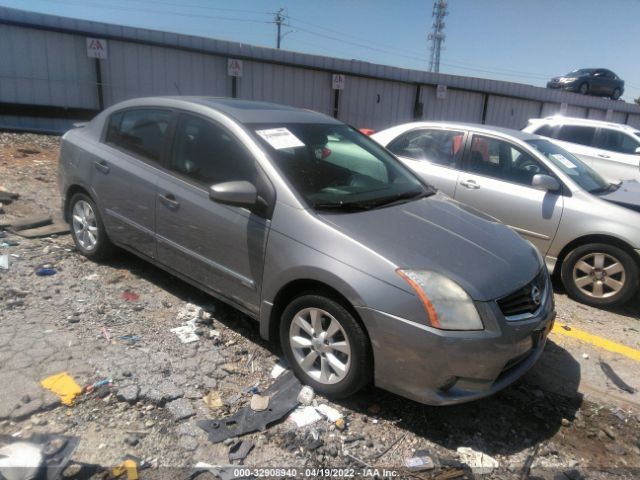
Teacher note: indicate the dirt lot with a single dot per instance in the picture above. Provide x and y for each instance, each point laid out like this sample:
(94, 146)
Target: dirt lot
(73, 322)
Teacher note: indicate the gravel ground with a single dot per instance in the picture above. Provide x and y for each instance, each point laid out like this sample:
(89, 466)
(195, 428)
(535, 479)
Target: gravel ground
(72, 322)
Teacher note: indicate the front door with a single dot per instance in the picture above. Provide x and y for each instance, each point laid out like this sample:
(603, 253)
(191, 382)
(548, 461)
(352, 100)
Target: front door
(496, 179)
(125, 173)
(219, 246)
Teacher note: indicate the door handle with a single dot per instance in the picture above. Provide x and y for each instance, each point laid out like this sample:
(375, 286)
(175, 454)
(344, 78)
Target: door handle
(102, 166)
(169, 201)
(602, 155)
(470, 184)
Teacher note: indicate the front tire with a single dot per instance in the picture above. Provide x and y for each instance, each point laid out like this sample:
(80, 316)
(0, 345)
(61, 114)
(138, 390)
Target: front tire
(584, 88)
(325, 345)
(87, 228)
(600, 275)
(616, 94)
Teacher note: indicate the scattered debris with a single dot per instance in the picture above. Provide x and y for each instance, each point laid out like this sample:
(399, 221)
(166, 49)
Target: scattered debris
(224, 472)
(213, 400)
(304, 416)
(98, 384)
(63, 385)
(279, 368)
(191, 315)
(331, 413)
(130, 296)
(585, 356)
(29, 222)
(480, 463)
(4, 262)
(613, 376)
(128, 467)
(35, 454)
(129, 339)
(58, 227)
(284, 398)
(306, 395)
(420, 461)
(45, 270)
(340, 424)
(260, 403)
(239, 450)
(8, 197)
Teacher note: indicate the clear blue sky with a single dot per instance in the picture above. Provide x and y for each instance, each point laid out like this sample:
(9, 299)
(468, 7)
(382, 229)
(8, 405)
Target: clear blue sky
(524, 41)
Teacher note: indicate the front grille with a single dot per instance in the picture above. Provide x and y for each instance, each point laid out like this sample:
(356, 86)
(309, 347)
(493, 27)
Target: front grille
(521, 301)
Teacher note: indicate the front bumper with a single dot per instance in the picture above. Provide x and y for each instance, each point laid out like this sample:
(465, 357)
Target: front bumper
(439, 367)
(563, 86)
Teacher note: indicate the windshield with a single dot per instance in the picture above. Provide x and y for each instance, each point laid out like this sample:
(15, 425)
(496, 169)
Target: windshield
(582, 71)
(334, 166)
(578, 171)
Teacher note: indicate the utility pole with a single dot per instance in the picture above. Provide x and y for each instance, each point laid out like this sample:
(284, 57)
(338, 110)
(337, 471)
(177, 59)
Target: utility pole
(436, 36)
(279, 20)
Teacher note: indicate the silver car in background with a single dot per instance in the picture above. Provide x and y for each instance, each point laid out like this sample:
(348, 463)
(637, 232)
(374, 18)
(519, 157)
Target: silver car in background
(361, 270)
(611, 149)
(586, 227)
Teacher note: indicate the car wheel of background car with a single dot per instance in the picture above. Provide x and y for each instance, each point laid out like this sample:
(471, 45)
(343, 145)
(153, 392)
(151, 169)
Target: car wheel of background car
(325, 345)
(584, 88)
(87, 229)
(616, 94)
(600, 275)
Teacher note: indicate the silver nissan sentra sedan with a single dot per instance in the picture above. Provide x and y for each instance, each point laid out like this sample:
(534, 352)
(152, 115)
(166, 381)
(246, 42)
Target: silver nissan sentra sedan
(360, 269)
(587, 228)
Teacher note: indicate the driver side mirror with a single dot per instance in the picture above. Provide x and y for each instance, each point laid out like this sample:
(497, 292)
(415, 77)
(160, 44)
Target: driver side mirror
(238, 193)
(637, 151)
(545, 182)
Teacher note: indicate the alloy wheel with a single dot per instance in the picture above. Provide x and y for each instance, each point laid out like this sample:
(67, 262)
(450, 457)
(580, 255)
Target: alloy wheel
(599, 275)
(320, 345)
(85, 225)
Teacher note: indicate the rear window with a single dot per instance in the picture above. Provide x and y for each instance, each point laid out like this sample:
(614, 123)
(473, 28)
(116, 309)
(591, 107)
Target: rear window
(616, 141)
(139, 132)
(576, 134)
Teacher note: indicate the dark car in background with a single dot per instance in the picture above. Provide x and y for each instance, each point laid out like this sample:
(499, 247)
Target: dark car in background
(590, 81)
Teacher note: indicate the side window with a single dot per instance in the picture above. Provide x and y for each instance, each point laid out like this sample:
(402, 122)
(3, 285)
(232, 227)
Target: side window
(576, 134)
(436, 146)
(206, 153)
(545, 131)
(501, 160)
(139, 132)
(616, 141)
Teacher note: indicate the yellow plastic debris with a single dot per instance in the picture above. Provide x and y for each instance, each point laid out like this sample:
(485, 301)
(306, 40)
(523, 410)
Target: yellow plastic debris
(63, 385)
(129, 467)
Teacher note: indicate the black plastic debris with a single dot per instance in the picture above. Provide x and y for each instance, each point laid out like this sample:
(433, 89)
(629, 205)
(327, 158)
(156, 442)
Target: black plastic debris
(239, 450)
(284, 398)
(613, 376)
(55, 454)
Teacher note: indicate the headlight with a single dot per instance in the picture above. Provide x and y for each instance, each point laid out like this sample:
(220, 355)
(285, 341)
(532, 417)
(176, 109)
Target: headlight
(447, 305)
(567, 80)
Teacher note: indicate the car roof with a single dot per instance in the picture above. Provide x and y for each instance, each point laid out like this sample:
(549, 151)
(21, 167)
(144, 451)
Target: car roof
(479, 128)
(243, 111)
(560, 119)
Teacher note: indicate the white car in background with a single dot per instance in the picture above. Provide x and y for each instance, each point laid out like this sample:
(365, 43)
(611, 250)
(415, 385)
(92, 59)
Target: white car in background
(611, 149)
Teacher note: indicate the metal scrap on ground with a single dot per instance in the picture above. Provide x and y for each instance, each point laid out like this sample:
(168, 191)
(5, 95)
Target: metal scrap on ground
(613, 376)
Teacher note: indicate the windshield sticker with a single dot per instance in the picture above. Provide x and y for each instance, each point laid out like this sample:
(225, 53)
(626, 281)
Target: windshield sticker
(280, 138)
(564, 160)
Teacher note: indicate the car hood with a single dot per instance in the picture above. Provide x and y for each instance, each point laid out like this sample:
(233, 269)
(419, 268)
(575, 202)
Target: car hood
(488, 259)
(626, 195)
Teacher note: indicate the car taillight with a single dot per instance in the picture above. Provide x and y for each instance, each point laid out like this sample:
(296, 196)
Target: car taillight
(367, 131)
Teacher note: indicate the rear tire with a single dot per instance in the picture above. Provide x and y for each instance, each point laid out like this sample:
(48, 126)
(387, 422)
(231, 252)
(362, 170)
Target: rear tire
(325, 345)
(584, 88)
(616, 94)
(87, 228)
(600, 275)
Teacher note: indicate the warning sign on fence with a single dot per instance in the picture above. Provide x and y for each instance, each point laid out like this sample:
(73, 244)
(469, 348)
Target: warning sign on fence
(96, 48)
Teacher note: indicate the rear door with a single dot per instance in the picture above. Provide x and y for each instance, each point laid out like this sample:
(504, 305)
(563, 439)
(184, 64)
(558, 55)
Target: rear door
(577, 139)
(434, 154)
(124, 177)
(219, 246)
(496, 178)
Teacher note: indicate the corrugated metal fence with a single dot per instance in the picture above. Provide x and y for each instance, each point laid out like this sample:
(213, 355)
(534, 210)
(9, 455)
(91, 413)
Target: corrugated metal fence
(47, 81)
